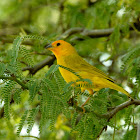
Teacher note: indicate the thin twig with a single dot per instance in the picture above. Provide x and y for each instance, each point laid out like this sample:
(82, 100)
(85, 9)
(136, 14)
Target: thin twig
(14, 79)
(31, 137)
(70, 32)
(48, 61)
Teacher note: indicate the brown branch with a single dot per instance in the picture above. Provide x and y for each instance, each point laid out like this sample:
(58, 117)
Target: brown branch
(114, 110)
(98, 33)
(110, 114)
(70, 32)
(122, 106)
(94, 33)
(82, 31)
(48, 61)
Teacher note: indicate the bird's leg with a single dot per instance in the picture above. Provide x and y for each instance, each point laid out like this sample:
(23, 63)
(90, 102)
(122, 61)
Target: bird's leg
(84, 104)
(91, 92)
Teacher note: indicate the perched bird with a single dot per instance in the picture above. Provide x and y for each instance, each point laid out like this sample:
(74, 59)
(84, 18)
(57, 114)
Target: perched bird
(67, 56)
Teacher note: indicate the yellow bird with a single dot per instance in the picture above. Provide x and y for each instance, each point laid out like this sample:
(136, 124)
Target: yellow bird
(67, 56)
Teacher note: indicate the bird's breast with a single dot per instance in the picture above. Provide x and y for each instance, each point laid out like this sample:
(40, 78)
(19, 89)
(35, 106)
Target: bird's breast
(67, 75)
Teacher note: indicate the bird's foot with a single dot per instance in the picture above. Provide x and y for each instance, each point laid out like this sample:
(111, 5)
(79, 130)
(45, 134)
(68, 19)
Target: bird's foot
(83, 109)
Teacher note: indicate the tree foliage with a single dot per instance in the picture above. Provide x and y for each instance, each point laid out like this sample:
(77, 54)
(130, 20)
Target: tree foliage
(32, 90)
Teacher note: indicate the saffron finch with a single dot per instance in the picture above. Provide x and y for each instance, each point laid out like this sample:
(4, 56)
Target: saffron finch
(67, 56)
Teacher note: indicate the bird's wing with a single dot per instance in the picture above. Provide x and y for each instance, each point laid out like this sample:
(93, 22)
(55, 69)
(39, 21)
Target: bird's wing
(79, 65)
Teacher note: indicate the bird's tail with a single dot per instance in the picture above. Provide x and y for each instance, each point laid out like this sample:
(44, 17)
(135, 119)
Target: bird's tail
(118, 88)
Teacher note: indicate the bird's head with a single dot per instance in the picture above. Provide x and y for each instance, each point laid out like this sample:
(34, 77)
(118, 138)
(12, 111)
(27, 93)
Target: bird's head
(61, 48)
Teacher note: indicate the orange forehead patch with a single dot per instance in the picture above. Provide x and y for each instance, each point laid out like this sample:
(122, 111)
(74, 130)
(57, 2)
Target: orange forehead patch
(58, 41)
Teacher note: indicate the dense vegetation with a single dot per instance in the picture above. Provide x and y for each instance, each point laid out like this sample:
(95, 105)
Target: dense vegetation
(33, 93)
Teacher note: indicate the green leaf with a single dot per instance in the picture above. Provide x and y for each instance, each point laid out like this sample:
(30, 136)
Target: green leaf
(22, 121)
(16, 45)
(52, 69)
(31, 118)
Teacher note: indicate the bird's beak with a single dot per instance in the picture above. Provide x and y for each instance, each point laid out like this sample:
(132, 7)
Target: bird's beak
(48, 46)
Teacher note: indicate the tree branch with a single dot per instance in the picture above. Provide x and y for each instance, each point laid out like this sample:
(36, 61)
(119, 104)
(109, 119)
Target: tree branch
(48, 61)
(97, 32)
(14, 79)
(85, 32)
(94, 33)
(110, 114)
(70, 32)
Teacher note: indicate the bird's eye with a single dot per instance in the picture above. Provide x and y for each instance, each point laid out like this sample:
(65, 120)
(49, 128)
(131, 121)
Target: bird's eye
(58, 44)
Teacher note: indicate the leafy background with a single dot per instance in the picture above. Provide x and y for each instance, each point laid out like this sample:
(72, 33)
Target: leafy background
(36, 103)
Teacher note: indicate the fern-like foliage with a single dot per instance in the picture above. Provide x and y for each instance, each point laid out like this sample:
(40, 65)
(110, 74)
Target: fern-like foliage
(16, 96)
(132, 66)
(130, 135)
(16, 44)
(128, 116)
(34, 37)
(22, 121)
(31, 118)
(6, 93)
(43, 109)
(55, 103)
(34, 87)
(73, 120)
(26, 56)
